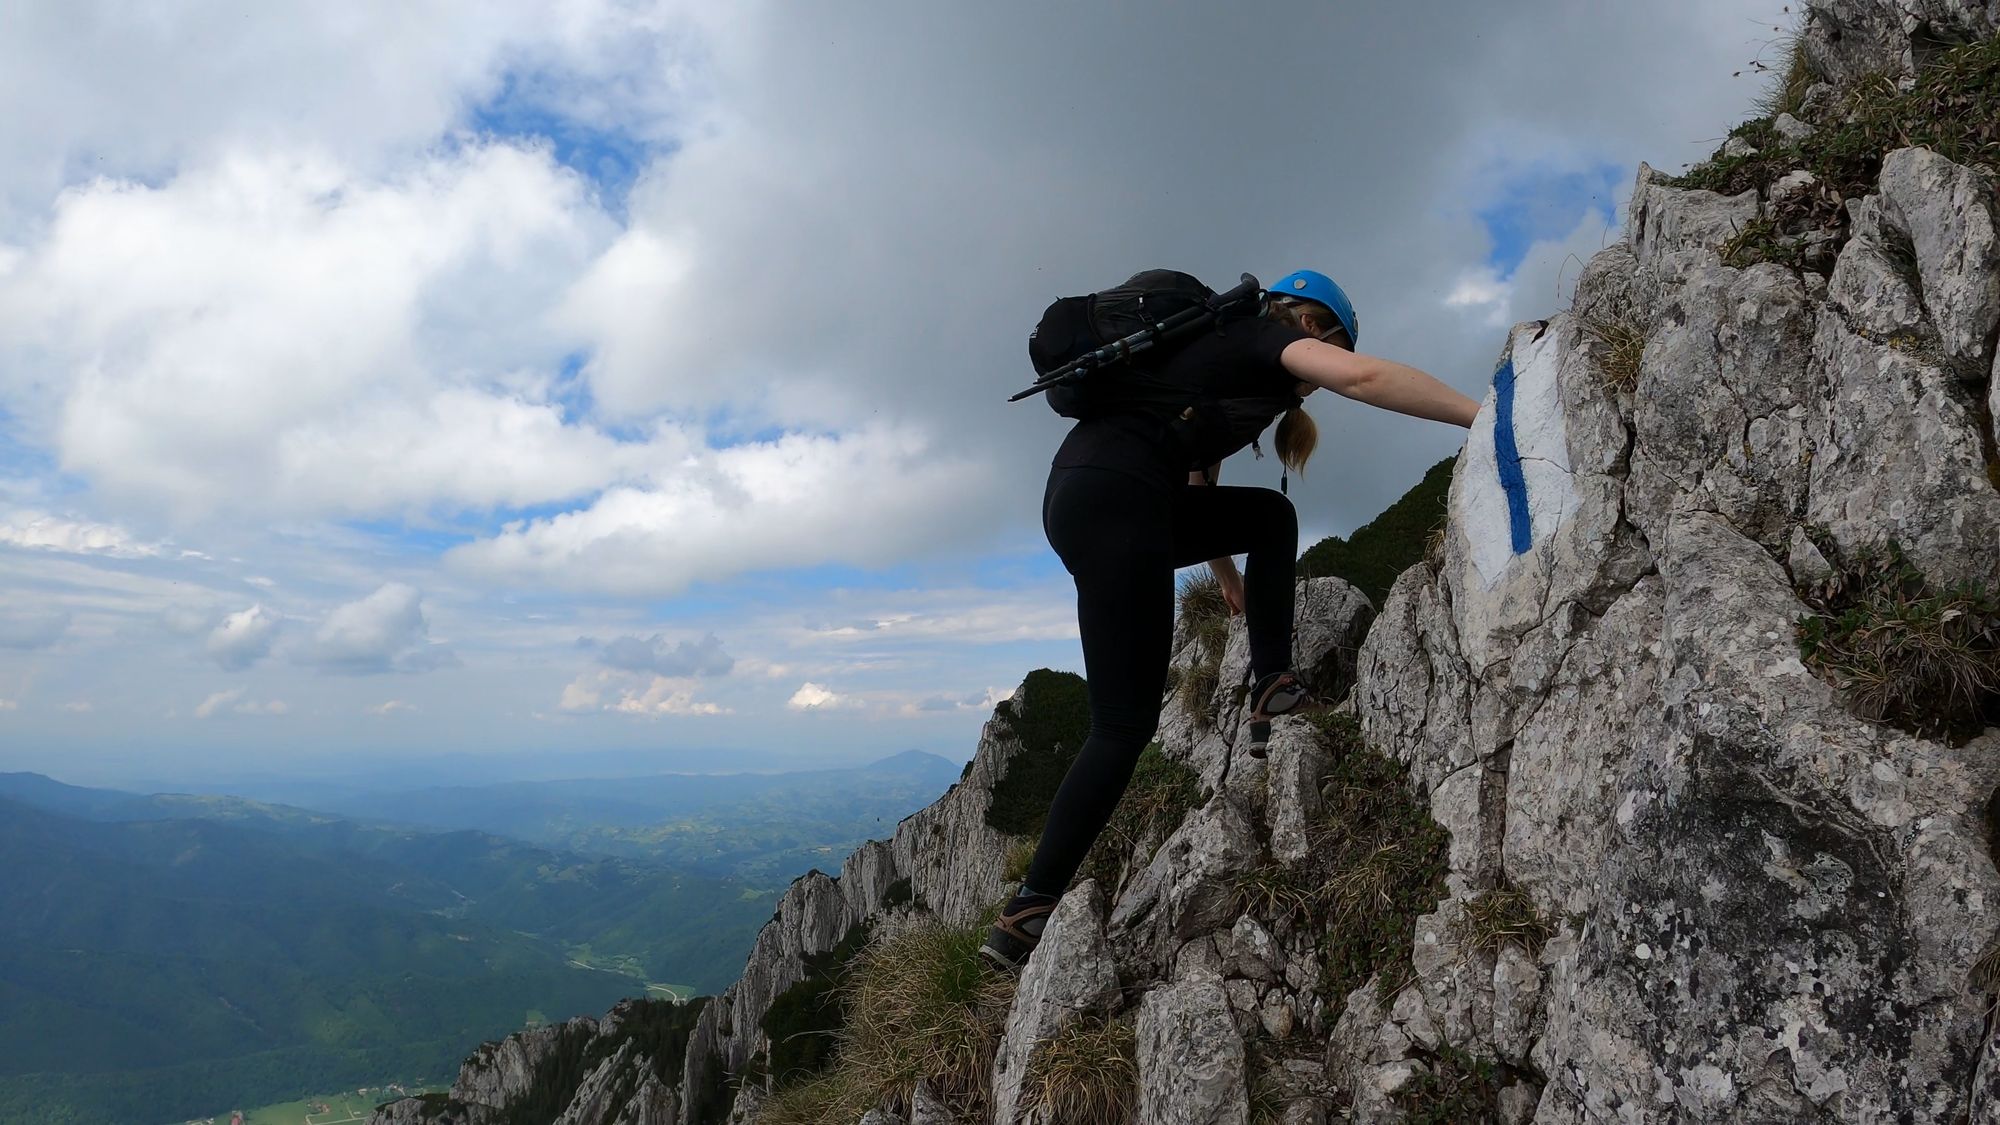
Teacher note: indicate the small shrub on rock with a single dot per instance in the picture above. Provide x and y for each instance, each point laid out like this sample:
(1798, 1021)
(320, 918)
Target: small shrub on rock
(1456, 1088)
(1501, 916)
(1051, 717)
(1923, 660)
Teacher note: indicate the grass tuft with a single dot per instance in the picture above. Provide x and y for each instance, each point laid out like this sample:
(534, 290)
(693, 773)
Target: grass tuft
(1205, 614)
(1922, 660)
(918, 1004)
(1953, 109)
(1791, 78)
(1205, 611)
(922, 1004)
(1195, 692)
(1501, 916)
(1087, 1074)
(836, 1096)
(1020, 854)
(1624, 344)
(1387, 858)
(1376, 863)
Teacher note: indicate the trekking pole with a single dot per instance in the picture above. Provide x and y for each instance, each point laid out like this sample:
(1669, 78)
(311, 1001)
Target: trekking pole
(1142, 340)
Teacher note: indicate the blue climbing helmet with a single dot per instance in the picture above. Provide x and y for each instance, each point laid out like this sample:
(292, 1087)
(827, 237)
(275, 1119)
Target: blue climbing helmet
(1312, 285)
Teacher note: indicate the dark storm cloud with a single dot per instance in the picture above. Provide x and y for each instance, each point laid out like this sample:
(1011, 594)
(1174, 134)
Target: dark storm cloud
(891, 193)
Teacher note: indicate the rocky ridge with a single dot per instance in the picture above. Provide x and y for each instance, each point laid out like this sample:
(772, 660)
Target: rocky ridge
(1734, 899)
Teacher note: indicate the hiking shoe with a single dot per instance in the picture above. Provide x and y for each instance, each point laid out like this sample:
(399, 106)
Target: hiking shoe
(1279, 693)
(1017, 931)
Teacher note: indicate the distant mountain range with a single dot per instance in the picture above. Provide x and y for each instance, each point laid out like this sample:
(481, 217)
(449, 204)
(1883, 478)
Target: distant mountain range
(166, 955)
(756, 826)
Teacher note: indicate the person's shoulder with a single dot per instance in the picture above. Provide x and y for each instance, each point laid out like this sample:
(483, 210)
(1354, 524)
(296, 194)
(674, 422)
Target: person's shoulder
(1262, 337)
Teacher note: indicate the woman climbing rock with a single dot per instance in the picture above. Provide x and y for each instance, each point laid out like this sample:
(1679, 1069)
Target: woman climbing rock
(1132, 496)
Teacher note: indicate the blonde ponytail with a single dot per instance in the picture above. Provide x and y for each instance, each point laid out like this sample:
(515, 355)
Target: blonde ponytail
(1298, 436)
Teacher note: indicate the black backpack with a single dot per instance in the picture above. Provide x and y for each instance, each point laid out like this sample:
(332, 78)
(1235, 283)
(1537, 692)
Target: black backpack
(1157, 307)
(1105, 353)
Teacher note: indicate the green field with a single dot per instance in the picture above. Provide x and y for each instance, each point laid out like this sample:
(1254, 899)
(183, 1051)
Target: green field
(342, 1107)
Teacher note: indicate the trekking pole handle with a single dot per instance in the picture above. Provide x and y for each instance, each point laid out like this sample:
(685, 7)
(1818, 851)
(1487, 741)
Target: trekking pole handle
(1248, 287)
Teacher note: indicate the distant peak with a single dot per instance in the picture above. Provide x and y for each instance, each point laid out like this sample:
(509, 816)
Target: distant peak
(912, 760)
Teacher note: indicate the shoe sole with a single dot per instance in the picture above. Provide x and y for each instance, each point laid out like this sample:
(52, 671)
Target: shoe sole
(998, 960)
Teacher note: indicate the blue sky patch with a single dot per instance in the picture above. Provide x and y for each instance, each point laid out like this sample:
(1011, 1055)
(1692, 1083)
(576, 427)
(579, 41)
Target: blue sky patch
(609, 157)
(1537, 205)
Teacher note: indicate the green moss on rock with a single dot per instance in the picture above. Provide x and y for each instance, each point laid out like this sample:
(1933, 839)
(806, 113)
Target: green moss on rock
(1387, 545)
(1050, 716)
(804, 1021)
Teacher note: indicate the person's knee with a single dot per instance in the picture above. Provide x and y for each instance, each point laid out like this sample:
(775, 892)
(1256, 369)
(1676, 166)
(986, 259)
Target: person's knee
(1277, 516)
(1125, 729)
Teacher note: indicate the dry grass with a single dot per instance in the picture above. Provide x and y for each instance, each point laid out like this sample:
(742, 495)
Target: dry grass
(1205, 614)
(920, 1004)
(1791, 77)
(1020, 854)
(1088, 1073)
(1205, 611)
(923, 1005)
(1497, 917)
(834, 1096)
(1435, 544)
(1624, 343)
(1196, 693)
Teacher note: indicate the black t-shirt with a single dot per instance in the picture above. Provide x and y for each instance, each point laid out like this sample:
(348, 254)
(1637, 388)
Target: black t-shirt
(1238, 360)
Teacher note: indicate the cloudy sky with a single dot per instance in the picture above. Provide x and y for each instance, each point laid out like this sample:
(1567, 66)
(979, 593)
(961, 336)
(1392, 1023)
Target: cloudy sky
(581, 377)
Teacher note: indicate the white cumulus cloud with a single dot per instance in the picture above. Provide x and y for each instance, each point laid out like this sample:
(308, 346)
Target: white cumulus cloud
(232, 699)
(635, 694)
(811, 696)
(869, 497)
(243, 638)
(386, 631)
(282, 332)
(42, 531)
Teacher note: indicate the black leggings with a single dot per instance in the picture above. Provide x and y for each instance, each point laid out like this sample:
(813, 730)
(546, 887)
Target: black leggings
(1122, 539)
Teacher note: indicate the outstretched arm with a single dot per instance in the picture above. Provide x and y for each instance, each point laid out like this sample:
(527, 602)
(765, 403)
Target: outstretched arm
(1377, 382)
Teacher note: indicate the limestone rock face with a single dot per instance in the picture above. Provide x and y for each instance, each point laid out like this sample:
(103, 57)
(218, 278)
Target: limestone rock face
(1745, 878)
(592, 1104)
(499, 1073)
(1850, 40)
(1900, 453)
(1191, 1064)
(1666, 219)
(1071, 975)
